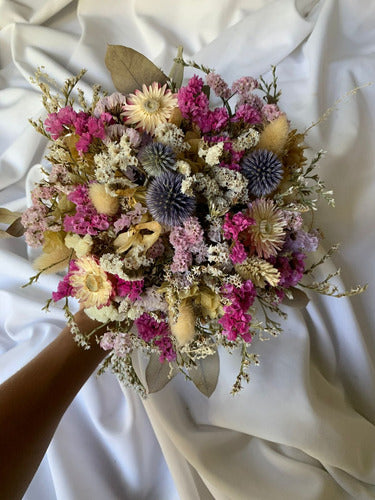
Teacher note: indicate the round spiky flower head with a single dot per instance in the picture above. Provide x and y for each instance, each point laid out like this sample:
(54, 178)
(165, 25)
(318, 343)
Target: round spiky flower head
(165, 201)
(263, 170)
(150, 107)
(157, 158)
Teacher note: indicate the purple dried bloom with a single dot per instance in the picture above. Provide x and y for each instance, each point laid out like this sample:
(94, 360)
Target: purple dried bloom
(165, 201)
(218, 85)
(263, 170)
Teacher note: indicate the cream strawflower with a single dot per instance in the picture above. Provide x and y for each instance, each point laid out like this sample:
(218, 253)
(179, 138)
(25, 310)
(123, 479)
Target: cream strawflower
(90, 283)
(150, 107)
(267, 235)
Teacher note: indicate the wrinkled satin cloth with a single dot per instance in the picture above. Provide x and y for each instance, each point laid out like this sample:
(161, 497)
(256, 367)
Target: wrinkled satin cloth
(304, 426)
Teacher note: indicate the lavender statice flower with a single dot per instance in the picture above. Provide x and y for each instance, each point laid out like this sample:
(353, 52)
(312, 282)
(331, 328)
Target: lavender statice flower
(218, 85)
(297, 241)
(165, 201)
(263, 170)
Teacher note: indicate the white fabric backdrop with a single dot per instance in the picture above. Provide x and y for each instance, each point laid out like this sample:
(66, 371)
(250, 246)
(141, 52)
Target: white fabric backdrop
(304, 427)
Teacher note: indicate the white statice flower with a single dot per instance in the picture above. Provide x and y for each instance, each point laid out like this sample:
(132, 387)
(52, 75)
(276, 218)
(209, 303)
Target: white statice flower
(211, 154)
(187, 185)
(219, 253)
(105, 314)
(172, 136)
(117, 158)
(246, 140)
(81, 246)
(233, 184)
(215, 229)
(183, 167)
(113, 264)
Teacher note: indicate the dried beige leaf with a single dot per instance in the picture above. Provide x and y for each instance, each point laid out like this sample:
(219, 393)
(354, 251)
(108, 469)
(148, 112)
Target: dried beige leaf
(7, 216)
(158, 374)
(130, 69)
(205, 375)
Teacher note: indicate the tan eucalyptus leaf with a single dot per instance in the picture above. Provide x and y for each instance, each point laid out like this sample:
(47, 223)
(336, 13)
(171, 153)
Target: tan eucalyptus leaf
(16, 229)
(299, 300)
(158, 374)
(7, 216)
(206, 374)
(130, 69)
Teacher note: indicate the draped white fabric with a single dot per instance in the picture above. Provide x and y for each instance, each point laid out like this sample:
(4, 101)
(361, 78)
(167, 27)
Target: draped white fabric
(304, 426)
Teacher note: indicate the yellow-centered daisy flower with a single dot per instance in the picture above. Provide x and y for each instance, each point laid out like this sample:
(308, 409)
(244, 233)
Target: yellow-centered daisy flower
(267, 235)
(150, 107)
(90, 283)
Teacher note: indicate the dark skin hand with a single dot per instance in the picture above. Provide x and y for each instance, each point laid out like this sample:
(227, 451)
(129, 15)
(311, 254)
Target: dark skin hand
(33, 401)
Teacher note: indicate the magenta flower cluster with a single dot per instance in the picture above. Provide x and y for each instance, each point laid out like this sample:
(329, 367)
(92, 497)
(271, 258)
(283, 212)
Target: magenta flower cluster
(158, 332)
(130, 289)
(291, 268)
(232, 227)
(236, 320)
(86, 126)
(194, 105)
(86, 220)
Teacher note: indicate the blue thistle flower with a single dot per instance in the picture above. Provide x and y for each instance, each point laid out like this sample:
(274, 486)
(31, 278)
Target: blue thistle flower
(263, 170)
(157, 158)
(165, 201)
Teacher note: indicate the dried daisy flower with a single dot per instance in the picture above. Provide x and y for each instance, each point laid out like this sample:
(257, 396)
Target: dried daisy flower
(90, 284)
(267, 235)
(259, 271)
(151, 107)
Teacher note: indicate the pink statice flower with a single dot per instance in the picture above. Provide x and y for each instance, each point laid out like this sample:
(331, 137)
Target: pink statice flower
(234, 156)
(130, 289)
(107, 341)
(86, 220)
(301, 241)
(156, 250)
(187, 241)
(270, 112)
(291, 268)
(64, 288)
(149, 329)
(247, 114)
(218, 85)
(244, 85)
(238, 253)
(194, 105)
(131, 218)
(235, 224)
(236, 320)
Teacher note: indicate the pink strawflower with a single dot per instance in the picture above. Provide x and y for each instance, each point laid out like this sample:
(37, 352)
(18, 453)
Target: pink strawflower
(131, 289)
(218, 85)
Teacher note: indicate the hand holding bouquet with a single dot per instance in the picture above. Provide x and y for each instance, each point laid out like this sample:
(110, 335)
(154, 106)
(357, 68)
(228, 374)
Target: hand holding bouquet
(182, 215)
